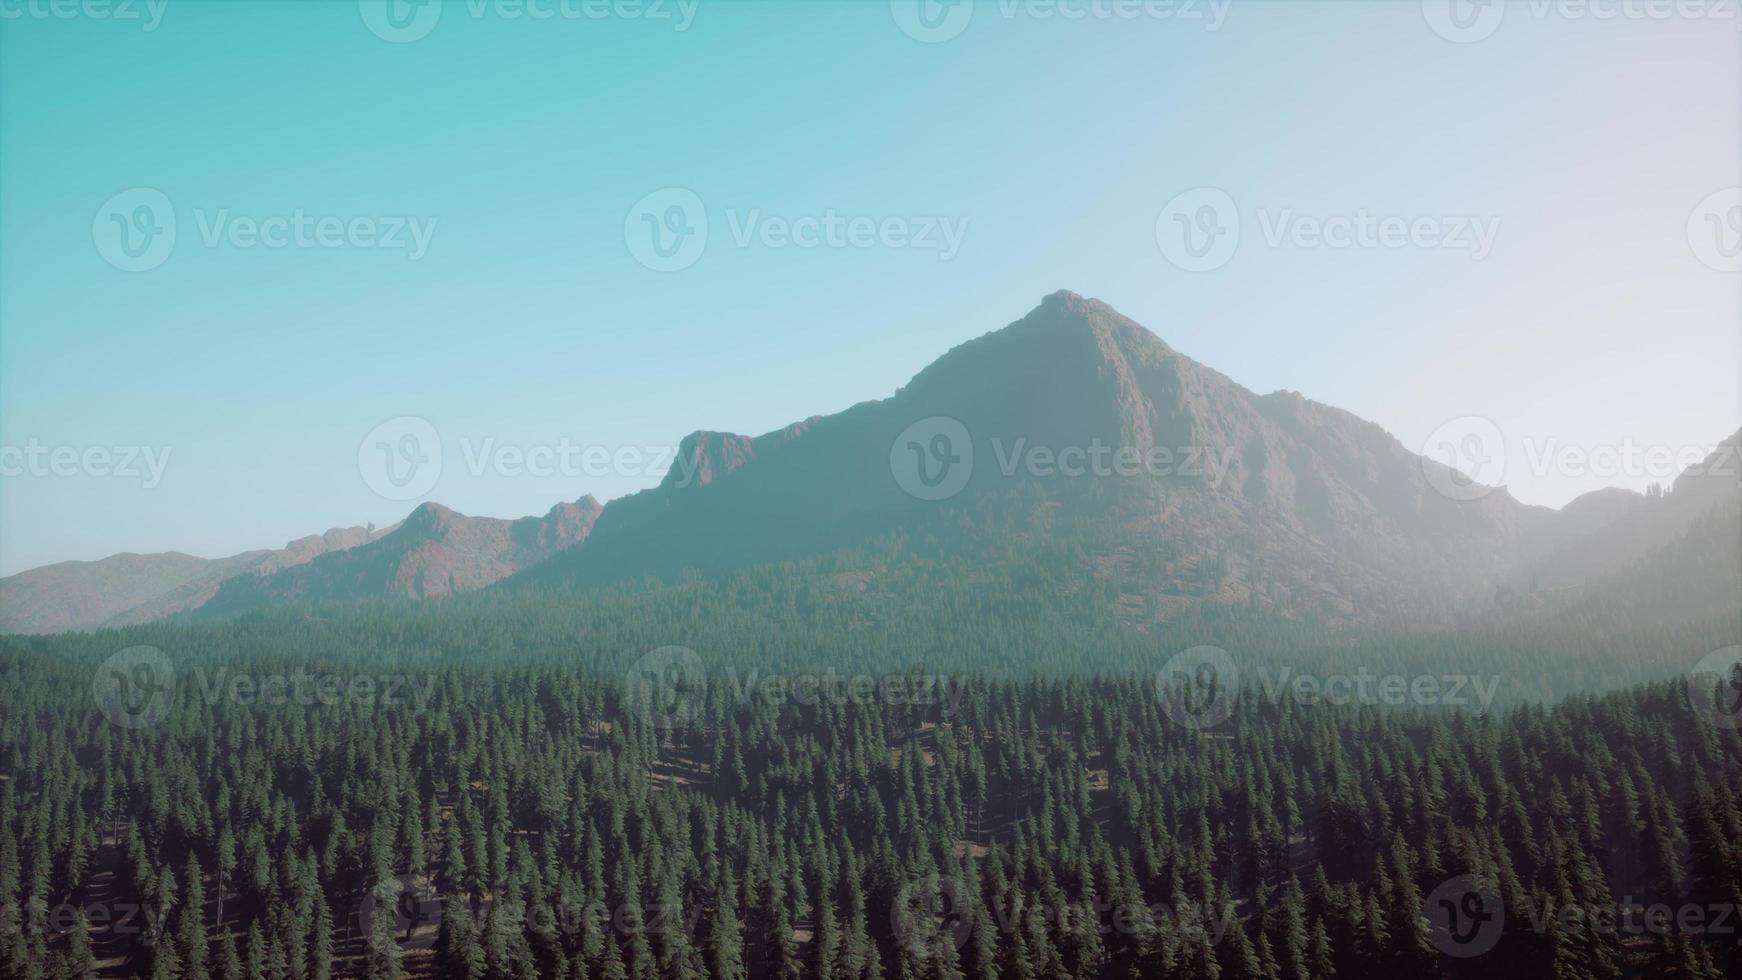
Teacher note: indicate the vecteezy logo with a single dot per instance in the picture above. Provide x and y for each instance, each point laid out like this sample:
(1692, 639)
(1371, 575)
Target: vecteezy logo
(1198, 687)
(667, 230)
(932, 21)
(1715, 688)
(1199, 230)
(400, 21)
(401, 458)
(414, 905)
(1464, 21)
(933, 458)
(666, 687)
(135, 230)
(1465, 458)
(135, 687)
(1715, 230)
(1466, 916)
(930, 918)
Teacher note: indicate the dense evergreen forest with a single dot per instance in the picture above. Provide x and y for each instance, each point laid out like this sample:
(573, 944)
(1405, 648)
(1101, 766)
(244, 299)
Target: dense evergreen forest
(210, 803)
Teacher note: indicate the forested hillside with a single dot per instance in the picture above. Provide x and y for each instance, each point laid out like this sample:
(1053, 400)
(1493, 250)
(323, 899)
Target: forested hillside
(243, 814)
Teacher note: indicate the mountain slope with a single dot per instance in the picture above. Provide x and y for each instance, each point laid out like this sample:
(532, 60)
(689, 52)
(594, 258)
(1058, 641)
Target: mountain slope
(1272, 501)
(125, 589)
(433, 552)
(1637, 524)
(1072, 465)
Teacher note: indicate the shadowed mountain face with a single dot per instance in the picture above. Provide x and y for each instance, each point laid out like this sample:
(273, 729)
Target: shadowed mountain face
(1169, 483)
(122, 590)
(433, 552)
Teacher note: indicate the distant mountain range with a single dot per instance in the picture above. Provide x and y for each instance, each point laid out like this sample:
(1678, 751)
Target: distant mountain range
(125, 589)
(1073, 438)
(433, 552)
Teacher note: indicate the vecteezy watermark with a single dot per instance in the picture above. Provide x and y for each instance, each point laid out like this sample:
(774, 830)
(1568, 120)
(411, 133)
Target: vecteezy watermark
(388, 233)
(1200, 230)
(148, 14)
(1464, 458)
(1370, 687)
(138, 686)
(1715, 230)
(667, 230)
(307, 689)
(933, 458)
(1107, 460)
(568, 459)
(136, 230)
(1631, 918)
(401, 459)
(1198, 687)
(830, 687)
(1469, 21)
(831, 229)
(139, 922)
(930, 917)
(407, 911)
(1630, 459)
(414, 906)
(404, 21)
(667, 687)
(936, 21)
(933, 916)
(1464, 21)
(1465, 916)
(135, 687)
(143, 463)
(1715, 688)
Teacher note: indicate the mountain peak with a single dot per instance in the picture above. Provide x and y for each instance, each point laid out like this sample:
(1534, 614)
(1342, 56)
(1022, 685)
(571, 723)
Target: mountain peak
(1063, 308)
(587, 502)
(430, 517)
(1066, 301)
(704, 456)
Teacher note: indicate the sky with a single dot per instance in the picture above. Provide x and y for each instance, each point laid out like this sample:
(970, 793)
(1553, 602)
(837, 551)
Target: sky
(483, 231)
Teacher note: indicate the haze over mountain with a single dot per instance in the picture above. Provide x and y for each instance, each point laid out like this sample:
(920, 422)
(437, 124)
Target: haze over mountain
(124, 589)
(1087, 455)
(1669, 556)
(433, 552)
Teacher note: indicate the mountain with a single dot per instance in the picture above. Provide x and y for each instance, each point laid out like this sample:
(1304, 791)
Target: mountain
(125, 589)
(1204, 493)
(1668, 556)
(1070, 465)
(1633, 525)
(433, 552)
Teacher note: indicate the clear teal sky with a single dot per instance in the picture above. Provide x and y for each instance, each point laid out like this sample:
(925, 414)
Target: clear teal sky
(1057, 142)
